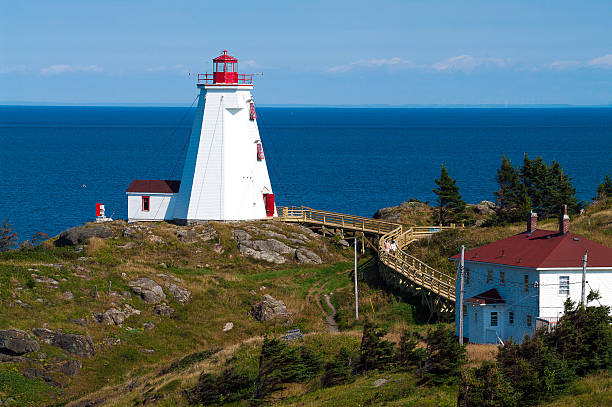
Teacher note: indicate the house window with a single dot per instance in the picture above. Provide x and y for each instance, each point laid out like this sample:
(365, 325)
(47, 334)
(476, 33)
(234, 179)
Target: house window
(511, 317)
(465, 310)
(467, 275)
(145, 204)
(528, 320)
(475, 316)
(489, 276)
(564, 285)
(526, 282)
(493, 318)
(502, 277)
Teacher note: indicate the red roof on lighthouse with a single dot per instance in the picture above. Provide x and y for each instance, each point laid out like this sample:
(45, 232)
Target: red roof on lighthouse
(225, 58)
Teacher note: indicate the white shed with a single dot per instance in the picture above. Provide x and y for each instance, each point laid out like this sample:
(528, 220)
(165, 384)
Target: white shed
(152, 200)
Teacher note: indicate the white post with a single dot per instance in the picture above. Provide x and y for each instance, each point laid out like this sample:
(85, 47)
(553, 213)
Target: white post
(461, 268)
(584, 264)
(356, 295)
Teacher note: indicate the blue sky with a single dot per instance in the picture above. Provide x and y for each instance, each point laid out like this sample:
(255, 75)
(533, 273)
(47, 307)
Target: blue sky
(310, 52)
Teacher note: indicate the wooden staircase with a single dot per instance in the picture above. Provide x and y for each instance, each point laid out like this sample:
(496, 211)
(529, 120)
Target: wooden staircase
(410, 270)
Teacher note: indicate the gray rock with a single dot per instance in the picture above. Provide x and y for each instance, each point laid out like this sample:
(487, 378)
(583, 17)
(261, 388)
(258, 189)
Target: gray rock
(70, 367)
(208, 233)
(68, 296)
(79, 345)
(271, 245)
(218, 248)
(308, 231)
(240, 235)
(135, 231)
(343, 243)
(228, 326)
(259, 255)
(81, 234)
(149, 290)
(163, 310)
(155, 239)
(486, 207)
(115, 316)
(186, 235)
(78, 321)
(306, 256)
(17, 342)
(181, 295)
(269, 308)
(148, 326)
(380, 382)
(44, 279)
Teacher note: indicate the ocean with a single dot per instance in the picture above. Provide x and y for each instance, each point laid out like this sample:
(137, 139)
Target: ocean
(57, 162)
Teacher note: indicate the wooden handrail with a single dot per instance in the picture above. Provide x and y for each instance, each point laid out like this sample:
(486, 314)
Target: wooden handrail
(401, 262)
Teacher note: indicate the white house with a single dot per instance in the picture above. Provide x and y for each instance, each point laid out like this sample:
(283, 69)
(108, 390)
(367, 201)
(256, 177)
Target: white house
(514, 283)
(225, 176)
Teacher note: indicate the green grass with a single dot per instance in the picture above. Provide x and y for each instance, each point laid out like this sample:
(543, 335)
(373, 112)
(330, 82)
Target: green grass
(17, 390)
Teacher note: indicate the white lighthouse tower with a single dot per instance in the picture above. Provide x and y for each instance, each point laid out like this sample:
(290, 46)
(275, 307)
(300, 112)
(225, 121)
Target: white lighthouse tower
(225, 176)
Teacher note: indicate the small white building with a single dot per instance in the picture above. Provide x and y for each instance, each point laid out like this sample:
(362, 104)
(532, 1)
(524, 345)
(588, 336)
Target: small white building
(225, 176)
(515, 283)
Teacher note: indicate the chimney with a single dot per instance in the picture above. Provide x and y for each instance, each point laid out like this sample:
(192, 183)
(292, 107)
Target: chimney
(532, 222)
(564, 221)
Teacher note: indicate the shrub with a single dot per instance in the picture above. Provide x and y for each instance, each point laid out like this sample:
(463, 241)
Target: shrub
(445, 356)
(374, 353)
(339, 370)
(407, 355)
(486, 386)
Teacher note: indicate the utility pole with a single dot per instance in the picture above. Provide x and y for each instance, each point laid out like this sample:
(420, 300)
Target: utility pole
(584, 264)
(355, 273)
(461, 268)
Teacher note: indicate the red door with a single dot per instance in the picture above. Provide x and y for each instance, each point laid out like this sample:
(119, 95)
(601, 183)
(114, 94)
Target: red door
(269, 202)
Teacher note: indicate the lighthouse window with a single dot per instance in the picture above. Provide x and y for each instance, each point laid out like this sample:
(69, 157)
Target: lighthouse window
(145, 203)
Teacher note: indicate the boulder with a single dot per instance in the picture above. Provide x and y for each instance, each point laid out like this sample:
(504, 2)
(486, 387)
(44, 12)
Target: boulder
(17, 342)
(269, 308)
(260, 255)
(81, 234)
(79, 345)
(186, 235)
(343, 243)
(149, 290)
(306, 256)
(67, 295)
(181, 295)
(163, 309)
(486, 208)
(228, 326)
(208, 233)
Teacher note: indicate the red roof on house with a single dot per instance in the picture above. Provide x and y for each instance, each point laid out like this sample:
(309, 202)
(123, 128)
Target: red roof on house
(488, 297)
(542, 249)
(154, 186)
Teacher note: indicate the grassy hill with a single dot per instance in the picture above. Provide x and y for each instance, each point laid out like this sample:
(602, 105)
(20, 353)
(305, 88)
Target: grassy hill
(154, 355)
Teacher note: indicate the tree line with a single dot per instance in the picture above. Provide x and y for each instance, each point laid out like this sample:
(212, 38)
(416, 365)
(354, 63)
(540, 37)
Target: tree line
(535, 185)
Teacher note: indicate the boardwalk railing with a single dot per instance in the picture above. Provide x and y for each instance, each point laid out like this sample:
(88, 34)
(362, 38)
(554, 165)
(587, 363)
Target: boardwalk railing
(413, 269)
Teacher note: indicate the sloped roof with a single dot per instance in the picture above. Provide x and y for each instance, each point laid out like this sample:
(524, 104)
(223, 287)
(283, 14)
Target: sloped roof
(488, 297)
(154, 186)
(225, 58)
(542, 249)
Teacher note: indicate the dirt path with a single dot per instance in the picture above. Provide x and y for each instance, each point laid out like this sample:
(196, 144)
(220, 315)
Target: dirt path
(315, 291)
(332, 325)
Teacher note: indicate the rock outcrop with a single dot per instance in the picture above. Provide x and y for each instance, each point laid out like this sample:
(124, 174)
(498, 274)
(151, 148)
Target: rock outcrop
(79, 345)
(181, 295)
(115, 316)
(486, 208)
(149, 290)
(17, 342)
(81, 234)
(305, 256)
(269, 308)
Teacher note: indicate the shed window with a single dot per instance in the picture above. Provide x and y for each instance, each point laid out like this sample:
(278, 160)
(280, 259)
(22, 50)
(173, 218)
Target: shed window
(145, 204)
(475, 316)
(502, 277)
(528, 320)
(511, 317)
(493, 318)
(564, 285)
(489, 276)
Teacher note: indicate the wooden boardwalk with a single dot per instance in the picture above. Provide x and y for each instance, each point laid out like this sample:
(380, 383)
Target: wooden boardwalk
(409, 269)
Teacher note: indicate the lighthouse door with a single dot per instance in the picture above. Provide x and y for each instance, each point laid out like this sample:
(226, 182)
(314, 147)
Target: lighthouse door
(269, 202)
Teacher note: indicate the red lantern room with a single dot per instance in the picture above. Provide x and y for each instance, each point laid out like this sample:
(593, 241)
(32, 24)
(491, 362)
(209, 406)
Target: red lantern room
(225, 72)
(225, 69)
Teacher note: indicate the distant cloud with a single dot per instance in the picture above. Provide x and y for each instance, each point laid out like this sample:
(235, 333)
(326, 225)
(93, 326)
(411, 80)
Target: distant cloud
(62, 68)
(249, 64)
(11, 69)
(373, 63)
(467, 63)
(602, 62)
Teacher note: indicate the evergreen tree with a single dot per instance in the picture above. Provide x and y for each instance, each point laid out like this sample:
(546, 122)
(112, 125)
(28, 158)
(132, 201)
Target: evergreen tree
(451, 208)
(604, 189)
(374, 353)
(339, 370)
(445, 356)
(486, 386)
(8, 237)
(512, 198)
(408, 356)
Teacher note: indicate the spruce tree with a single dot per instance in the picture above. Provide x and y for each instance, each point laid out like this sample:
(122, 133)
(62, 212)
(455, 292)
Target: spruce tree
(375, 352)
(604, 189)
(512, 198)
(451, 208)
(445, 356)
(339, 370)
